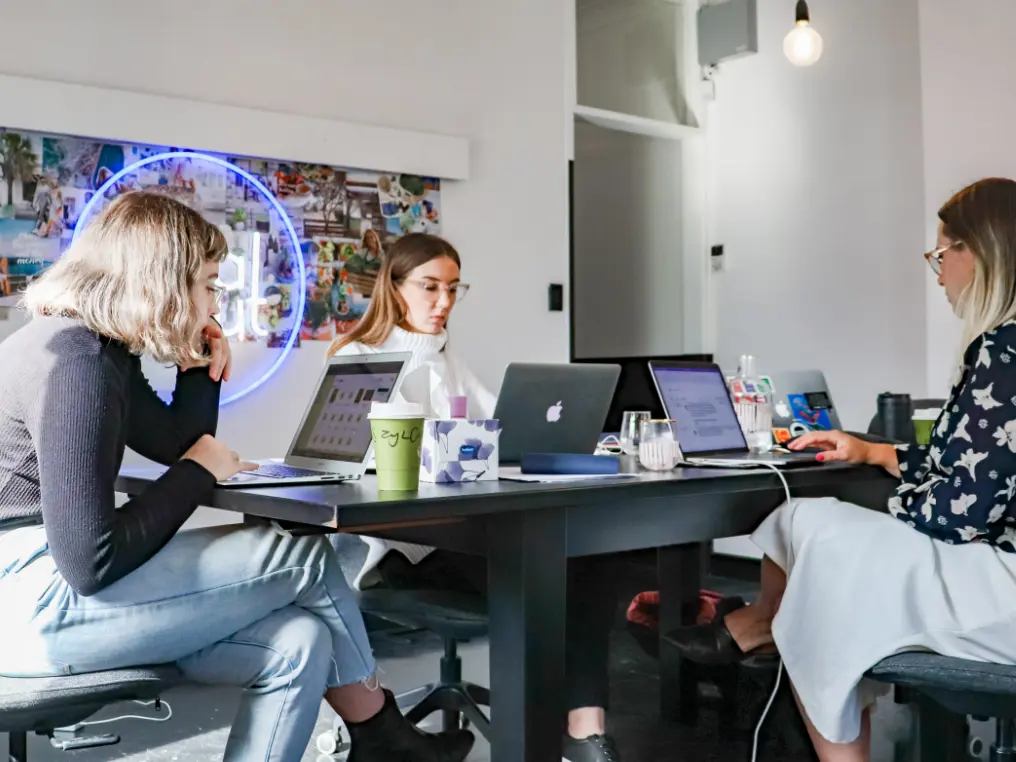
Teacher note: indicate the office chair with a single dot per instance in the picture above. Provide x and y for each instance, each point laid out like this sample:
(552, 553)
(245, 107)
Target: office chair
(43, 705)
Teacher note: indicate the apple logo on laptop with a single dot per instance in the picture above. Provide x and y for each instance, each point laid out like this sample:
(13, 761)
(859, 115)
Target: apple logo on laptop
(554, 413)
(782, 410)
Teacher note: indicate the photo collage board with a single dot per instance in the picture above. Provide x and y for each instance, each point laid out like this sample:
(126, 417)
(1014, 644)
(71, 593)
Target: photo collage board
(344, 219)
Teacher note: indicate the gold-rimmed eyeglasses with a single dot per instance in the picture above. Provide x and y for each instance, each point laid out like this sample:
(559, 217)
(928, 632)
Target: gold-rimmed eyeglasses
(934, 256)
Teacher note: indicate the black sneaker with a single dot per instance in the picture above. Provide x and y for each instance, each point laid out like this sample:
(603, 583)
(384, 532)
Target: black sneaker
(591, 749)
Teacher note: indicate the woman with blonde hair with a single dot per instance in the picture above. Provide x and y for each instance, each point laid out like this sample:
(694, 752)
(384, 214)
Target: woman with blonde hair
(844, 587)
(417, 288)
(85, 586)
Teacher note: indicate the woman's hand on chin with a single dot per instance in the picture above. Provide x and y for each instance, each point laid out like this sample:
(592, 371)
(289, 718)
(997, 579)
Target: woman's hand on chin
(220, 357)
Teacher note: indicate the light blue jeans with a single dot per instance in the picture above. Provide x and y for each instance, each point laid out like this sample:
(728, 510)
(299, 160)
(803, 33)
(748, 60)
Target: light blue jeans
(245, 606)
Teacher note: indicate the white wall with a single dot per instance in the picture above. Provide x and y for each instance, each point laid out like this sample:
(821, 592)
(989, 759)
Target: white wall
(967, 64)
(492, 72)
(818, 198)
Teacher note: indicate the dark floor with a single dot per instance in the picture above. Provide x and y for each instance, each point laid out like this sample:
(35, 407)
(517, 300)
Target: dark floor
(199, 725)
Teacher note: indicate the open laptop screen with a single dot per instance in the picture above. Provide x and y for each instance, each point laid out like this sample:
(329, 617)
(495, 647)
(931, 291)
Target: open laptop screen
(337, 428)
(697, 398)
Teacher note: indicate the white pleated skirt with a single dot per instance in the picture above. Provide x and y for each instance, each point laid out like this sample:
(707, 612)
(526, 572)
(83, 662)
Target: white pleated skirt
(861, 586)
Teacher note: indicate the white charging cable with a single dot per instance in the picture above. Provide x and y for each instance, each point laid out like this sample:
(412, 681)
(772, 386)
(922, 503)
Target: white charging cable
(779, 670)
(169, 714)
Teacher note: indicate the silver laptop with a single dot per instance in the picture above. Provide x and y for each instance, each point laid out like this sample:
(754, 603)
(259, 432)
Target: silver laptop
(553, 408)
(802, 403)
(332, 443)
(695, 396)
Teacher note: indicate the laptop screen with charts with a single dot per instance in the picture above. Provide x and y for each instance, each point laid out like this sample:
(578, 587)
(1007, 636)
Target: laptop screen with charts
(333, 440)
(553, 408)
(695, 396)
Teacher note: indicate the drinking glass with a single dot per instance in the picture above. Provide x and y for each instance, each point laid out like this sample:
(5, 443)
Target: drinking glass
(631, 421)
(658, 447)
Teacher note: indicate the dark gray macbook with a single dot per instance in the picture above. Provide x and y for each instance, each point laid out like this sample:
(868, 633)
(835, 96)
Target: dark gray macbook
(553, 408)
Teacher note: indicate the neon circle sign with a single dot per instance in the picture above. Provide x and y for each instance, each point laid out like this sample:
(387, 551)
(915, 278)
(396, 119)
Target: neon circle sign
(301, 292)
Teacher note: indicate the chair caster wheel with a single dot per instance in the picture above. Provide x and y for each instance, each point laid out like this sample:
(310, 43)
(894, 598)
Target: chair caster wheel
(333, 743)
(327, 743)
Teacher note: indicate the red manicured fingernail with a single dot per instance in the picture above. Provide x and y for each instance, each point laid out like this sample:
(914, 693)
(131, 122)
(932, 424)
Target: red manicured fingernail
(820, 457)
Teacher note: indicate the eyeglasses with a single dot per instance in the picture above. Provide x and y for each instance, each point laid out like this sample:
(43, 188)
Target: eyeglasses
(455, 292)
(217, 290)
(934, 256)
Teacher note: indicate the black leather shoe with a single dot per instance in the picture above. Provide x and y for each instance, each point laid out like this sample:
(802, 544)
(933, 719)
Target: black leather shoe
(709, 643)
(592, 749)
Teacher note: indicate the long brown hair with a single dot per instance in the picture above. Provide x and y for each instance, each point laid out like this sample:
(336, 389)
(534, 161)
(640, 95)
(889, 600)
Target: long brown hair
(982, 217)
(385, 309)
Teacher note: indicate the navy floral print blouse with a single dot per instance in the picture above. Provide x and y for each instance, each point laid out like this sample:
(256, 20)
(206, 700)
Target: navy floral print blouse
(961, 487)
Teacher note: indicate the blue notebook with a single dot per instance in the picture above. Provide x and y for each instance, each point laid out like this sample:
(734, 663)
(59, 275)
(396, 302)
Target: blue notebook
(569, 463)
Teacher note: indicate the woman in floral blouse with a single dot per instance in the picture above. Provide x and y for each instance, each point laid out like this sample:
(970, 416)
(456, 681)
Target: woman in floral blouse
(844, 587)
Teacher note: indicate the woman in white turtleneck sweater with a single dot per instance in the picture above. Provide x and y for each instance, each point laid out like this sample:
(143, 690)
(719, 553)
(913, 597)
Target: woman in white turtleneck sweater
(417, 288)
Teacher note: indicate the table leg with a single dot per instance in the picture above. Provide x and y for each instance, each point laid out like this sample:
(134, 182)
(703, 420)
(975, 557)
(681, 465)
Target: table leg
(679, 569)
(527, 568)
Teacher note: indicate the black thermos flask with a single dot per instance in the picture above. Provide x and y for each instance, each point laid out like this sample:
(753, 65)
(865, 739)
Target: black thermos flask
(896, 412)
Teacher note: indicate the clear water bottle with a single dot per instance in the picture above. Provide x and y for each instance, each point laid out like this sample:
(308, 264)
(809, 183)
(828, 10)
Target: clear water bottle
(753, 402)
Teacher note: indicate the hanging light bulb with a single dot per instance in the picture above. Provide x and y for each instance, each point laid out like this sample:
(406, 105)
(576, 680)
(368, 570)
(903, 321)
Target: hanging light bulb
(803, 45)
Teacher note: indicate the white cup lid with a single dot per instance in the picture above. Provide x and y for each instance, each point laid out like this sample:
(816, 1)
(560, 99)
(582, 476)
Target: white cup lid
(395, 410)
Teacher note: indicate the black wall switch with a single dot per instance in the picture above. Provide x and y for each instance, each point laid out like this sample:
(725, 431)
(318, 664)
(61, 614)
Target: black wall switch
(555, 297)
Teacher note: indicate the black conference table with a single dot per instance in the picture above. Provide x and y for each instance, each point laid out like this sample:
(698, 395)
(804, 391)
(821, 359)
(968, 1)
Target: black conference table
(528, 531)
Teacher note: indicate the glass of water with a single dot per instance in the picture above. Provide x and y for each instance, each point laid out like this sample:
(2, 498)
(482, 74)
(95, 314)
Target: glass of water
(631, 423)
(659, 449)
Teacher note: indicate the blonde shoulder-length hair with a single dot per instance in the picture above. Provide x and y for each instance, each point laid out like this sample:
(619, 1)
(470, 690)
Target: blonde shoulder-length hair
(982, 217)
(130, 277)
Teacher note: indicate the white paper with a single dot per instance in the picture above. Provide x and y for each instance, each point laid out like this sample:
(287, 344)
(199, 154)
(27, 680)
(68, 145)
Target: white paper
(514, 474)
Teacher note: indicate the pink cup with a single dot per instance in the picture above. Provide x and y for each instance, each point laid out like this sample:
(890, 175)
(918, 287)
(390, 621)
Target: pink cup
(459, 406)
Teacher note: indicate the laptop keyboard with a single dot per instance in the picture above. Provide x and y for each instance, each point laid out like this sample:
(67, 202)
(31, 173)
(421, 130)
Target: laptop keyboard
(282, 471)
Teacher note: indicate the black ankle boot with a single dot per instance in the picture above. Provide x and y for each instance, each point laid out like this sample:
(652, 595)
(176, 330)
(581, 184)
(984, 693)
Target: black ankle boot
(390, 737)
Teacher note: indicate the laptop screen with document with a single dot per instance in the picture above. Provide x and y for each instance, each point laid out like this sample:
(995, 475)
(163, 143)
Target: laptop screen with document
(696, 397)
(336, 426)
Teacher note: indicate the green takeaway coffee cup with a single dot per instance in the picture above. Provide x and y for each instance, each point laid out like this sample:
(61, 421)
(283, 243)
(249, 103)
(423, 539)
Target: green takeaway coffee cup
(396, 429)
(924, 421)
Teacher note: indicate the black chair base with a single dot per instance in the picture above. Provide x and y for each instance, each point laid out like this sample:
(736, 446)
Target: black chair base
(451, 696)
(459, 703)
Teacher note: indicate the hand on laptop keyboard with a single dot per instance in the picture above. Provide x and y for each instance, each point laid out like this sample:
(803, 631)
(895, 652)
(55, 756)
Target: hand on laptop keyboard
(282, 471)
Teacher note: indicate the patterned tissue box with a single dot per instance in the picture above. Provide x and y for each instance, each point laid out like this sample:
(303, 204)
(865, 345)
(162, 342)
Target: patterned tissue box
(457, 450)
